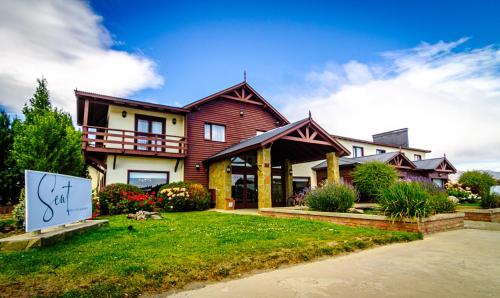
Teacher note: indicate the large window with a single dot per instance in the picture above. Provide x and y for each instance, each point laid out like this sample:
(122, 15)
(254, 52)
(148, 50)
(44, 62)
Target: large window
(417, 157)
(380, 151)
(147, 180)
(214, 132)
(358, 151)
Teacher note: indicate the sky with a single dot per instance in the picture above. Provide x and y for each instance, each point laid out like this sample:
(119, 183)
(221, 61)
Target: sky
(360, 67)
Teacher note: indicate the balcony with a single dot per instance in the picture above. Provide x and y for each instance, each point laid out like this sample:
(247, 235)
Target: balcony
(129, 142)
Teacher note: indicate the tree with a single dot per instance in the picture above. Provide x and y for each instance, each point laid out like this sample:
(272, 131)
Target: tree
(47, 140)
(371, 178)
(478, 182)
(9, 178)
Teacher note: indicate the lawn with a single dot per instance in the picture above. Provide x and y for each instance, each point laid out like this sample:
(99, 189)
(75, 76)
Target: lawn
(160, 255)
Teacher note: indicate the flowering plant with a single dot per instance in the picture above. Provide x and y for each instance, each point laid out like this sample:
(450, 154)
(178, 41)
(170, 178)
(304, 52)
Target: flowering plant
(183, 196)
(464, 195)
(132, 201)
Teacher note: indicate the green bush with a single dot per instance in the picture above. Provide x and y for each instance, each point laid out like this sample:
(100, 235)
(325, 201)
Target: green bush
(332, 197)
(404, 200)
(371, 178)
(183, 196)
(440, 203)
(478, 182)
(18, 212)
(111, 195)
(490, 201)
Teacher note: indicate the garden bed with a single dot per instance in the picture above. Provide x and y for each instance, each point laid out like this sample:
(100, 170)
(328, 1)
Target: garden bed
(432, 224)
(489, 215)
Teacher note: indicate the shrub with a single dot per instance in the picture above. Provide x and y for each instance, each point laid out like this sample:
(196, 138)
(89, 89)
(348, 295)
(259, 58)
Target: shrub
(478, 182)
(373, 177)
(131, 202)
(491, 201)
(183, 196)
(333, 197)
(464, 195)
(440, 203)
(18, 212)
(111, 196)
(405, 200)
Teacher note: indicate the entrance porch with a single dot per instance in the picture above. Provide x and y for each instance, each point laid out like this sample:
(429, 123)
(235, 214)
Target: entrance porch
(258, 173)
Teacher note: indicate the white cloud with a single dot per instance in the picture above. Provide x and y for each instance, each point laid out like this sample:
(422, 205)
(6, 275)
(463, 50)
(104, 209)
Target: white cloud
(66, 43)
(449, 99)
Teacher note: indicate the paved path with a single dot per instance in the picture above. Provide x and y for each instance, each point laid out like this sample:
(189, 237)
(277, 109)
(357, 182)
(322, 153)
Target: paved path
(462, 263)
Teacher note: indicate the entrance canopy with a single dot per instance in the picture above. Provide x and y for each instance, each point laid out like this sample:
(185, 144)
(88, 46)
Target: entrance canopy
(298, 142)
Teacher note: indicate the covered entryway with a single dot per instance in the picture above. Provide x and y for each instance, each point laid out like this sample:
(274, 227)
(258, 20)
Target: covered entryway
(258, 172)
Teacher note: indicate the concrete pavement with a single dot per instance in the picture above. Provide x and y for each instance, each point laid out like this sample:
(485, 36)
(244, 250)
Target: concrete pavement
(462, 263)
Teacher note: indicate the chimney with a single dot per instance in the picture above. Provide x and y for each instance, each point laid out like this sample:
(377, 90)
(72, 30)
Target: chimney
(398, 137)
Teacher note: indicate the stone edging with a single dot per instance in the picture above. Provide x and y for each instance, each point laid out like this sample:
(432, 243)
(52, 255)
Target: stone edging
(489, 215)
(435, 223)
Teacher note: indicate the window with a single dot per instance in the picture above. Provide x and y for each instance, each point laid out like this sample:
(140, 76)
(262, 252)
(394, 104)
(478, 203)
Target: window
(358, 151)
(417, 157)
(147, 127)
(214, 132)
(147, 180)
(380, 151)
(438, 182)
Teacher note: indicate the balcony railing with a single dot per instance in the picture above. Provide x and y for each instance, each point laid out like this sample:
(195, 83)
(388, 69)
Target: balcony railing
(120, 141)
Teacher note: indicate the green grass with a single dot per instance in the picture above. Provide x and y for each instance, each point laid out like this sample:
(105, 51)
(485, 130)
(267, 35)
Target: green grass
(159, 255)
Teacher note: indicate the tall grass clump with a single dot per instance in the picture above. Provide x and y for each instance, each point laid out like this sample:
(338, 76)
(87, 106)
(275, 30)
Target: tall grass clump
(405, 200)
(331, 197)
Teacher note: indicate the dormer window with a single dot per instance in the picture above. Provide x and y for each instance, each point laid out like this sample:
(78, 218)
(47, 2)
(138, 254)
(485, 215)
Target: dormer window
(215, 132)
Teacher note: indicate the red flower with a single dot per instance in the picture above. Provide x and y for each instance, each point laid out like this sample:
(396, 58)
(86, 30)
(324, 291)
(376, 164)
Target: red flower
(160, 200)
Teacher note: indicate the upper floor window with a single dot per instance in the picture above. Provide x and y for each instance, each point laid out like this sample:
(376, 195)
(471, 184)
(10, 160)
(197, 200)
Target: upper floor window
(380, 151)
(358, 151)
(147, 127)
(417, 157)
(214, 132)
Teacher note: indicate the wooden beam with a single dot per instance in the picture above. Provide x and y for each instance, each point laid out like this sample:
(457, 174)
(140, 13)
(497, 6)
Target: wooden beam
(114, 161)
(176, 165)
(295, 139)
(85, 120)
(314, 134)
(301, 133)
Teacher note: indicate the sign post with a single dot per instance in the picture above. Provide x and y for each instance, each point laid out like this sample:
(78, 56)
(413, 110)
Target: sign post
(55, 200)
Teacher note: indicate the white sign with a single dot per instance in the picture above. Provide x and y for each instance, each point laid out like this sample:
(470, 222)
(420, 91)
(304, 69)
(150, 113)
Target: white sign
(55, 199)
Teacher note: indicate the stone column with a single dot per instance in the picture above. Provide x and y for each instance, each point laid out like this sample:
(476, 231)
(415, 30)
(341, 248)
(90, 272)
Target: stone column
(332, 167)
(220, 180)
(287, 179)
(264, 177)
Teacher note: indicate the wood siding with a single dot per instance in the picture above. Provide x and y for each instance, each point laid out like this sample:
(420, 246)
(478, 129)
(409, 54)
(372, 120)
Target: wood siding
(225, 112)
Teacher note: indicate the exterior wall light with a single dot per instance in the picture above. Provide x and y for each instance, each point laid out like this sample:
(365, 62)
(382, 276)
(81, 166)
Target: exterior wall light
(228, 169)
(277, 123)
(242, 113)
(197, 166)
(124, 114)
(174, 121)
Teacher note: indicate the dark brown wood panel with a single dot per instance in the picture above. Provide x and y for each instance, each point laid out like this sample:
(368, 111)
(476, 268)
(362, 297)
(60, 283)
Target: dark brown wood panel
(238, 127)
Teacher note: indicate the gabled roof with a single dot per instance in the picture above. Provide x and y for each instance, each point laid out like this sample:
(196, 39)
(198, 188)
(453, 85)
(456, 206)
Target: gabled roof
(379, 144)
(241, 97)
(437, 164)
(384, 157)
(269, 137)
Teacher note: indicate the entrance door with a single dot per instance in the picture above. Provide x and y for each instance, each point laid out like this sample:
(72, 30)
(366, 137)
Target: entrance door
(244, 181)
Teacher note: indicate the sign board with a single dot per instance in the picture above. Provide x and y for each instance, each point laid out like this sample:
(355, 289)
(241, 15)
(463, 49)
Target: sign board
(495, 189)
(55, 199)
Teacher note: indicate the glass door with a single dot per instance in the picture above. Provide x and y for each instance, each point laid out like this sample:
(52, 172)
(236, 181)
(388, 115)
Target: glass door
(147, 127)
(142, 126)
(244, 188)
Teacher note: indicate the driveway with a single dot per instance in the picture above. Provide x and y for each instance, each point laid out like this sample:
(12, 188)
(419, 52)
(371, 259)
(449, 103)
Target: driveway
(462, 263)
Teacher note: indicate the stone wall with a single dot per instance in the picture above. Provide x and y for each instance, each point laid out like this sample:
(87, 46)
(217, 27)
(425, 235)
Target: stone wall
(490, 215)
(332, 169)
(264, 177)
(436, 223)
(220, 180)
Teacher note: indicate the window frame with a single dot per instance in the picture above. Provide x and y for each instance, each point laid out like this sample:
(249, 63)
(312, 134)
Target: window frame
(417, 157)
(150, 120)
(354, 151)
(147, 171)
(211, 132)
(380, 151)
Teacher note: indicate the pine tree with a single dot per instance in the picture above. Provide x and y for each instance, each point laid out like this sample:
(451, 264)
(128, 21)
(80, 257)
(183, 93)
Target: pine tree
(9, 178)
(39, 103)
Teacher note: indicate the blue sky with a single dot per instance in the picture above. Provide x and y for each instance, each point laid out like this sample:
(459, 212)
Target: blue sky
(360, 68)
(209, 44)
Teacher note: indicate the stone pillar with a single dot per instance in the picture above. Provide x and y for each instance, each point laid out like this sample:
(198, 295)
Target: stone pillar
(220, 180)
(287, 179)
(264, 177)
(332, 167)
